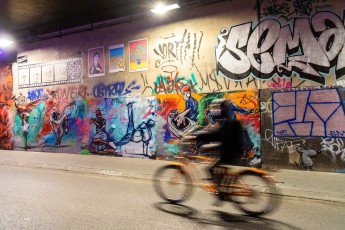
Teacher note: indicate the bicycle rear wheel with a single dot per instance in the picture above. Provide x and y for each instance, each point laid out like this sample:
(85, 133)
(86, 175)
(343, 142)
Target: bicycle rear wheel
(254, 193)
(173, 184)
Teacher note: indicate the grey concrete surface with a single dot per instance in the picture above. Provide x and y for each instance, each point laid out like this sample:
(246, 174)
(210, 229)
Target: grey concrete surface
(40, 199)
(303, 184)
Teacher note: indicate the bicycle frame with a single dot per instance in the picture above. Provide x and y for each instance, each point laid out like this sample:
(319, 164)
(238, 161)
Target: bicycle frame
(191, 168)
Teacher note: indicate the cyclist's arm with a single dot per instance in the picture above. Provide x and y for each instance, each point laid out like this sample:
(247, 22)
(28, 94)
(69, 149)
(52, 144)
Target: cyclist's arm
(213, 136)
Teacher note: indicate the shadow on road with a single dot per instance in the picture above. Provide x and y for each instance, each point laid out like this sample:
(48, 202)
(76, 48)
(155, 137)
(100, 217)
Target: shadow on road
(222, 219)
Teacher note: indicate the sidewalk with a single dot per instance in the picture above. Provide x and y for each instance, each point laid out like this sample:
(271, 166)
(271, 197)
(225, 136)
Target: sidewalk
(303, 184)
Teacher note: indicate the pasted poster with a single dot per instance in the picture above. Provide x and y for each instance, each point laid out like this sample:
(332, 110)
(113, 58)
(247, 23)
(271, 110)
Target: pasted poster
(50, 73)
(116, 58)
(138, 55)
(23, 76)
(60, 71)
(96, 62)
(35, 75)
(47, 73)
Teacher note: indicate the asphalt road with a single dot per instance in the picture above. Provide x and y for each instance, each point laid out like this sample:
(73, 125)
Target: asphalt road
(48, 199)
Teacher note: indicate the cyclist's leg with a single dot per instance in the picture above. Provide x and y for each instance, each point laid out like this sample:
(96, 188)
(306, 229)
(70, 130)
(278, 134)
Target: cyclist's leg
(211, 170)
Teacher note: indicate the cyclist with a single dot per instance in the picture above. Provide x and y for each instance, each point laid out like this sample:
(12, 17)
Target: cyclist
(230, 136)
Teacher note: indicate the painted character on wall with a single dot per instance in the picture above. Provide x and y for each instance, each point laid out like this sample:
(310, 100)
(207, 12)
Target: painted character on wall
(100, 139)
(59, 123)
(182, 123)
(191, 107)
(23, 111)
(143, 133)
(306, 153)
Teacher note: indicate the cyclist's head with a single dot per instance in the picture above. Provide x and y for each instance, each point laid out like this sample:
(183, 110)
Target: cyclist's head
(218, 110)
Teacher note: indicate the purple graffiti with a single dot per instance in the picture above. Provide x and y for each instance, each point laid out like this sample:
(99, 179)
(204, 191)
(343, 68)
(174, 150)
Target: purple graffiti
(308, 113)
(35, 94)
(115, 89)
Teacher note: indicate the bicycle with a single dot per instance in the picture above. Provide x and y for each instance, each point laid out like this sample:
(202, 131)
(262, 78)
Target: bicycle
(245, 187)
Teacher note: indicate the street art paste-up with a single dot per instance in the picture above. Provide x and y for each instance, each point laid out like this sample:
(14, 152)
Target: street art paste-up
(117, 58)
(308, 113)
(96, 62)
(138, 55)
(273, 49)
(122, 128)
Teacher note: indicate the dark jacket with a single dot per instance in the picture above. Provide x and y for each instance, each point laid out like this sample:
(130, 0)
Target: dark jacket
(230, 135)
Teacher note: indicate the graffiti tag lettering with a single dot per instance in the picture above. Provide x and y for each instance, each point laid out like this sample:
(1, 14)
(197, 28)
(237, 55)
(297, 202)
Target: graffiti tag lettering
(115, 89)
(177, 50)
(271, 48)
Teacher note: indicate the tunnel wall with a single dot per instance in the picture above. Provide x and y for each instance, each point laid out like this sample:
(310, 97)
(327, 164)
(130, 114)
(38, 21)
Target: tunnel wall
(280, 67)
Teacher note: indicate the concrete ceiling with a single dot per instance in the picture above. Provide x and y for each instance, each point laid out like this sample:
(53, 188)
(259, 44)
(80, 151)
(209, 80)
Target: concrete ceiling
(25, 18)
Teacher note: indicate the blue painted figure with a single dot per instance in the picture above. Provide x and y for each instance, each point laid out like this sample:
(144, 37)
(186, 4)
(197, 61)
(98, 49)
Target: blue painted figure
(100, 139)
(191, 107)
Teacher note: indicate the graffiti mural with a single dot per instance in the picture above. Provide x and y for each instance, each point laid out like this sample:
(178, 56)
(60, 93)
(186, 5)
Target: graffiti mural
(46, 123)
(6, 88)
(313, 118)
(188, 112)
(272, 48)
(310, 113)
(121, 127)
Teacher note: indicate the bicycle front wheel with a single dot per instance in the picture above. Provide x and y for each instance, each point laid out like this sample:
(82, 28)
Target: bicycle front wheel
(254, 193)
(173, 184)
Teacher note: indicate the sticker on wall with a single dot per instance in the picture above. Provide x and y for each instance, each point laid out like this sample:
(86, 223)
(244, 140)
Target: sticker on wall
(117, 58)
(22, 59)
(96, 62)
(138, 55)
